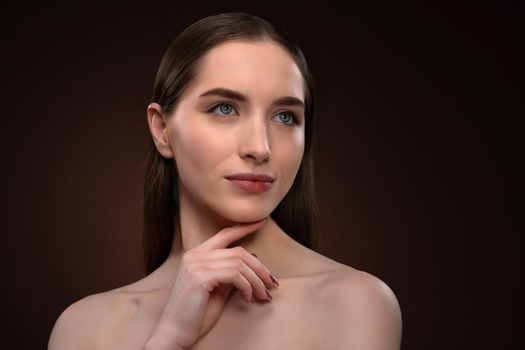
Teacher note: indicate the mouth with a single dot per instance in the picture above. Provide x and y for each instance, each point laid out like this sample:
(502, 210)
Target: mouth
(251, 177)
(255, 183)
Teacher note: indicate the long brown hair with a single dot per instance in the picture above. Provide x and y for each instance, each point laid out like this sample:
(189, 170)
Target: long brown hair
(296, 214)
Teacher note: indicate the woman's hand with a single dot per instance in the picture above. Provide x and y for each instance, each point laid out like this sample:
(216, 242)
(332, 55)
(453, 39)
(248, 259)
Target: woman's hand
(207, 275)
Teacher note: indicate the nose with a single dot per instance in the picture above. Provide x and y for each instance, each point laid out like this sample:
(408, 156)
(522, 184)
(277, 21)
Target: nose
(255, 141)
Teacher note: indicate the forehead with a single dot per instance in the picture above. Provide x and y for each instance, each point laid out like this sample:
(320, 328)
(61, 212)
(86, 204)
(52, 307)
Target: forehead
(257, 68)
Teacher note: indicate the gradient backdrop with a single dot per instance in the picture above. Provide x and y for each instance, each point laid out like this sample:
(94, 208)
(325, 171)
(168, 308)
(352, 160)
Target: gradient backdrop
(415, 155)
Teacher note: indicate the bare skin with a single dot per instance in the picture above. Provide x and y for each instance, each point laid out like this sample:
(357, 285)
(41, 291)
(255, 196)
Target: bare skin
(319, 302)
(306, 312)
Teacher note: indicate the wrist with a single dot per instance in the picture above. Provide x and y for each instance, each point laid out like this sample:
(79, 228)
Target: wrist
(164, 339)
(157, 343)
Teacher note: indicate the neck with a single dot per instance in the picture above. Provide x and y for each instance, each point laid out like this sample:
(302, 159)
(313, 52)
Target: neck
(198, 224)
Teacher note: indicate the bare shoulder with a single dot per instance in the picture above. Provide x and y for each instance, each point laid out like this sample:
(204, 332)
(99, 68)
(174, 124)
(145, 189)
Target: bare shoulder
(339, 283)
(358, 311)
(349, 308)
(83, 324)
(355, 288)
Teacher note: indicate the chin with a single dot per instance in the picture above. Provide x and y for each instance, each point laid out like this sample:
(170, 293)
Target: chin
(246, 214)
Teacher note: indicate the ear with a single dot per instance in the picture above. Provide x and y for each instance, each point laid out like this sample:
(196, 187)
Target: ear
(158, 128)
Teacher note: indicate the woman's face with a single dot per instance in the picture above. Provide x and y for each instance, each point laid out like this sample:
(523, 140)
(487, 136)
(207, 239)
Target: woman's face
(258, 127)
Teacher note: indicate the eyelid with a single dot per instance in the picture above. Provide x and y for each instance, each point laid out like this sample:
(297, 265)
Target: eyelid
(294, 116)
(215, 105)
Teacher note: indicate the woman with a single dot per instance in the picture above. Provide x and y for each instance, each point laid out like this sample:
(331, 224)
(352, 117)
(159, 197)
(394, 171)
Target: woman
(229, 213)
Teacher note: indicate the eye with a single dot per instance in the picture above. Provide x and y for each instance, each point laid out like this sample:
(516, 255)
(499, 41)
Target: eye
(287, 118)
(222, 109)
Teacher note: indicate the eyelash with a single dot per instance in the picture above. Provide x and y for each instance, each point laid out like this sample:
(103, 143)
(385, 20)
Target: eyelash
(294, 117)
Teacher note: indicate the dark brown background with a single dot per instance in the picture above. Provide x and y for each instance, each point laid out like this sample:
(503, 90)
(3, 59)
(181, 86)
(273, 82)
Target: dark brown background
(415, 155)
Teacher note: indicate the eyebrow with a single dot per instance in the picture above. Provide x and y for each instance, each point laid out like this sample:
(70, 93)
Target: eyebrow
(237, 96)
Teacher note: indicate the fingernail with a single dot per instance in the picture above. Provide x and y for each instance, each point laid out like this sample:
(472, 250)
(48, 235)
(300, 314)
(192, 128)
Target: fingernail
(268, 294)
(274, 280)
(254, 255)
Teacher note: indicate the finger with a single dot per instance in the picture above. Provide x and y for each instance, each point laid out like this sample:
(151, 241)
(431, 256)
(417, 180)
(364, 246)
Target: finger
(243, 255)
(256, 283)
(227, 236)
(233, 276)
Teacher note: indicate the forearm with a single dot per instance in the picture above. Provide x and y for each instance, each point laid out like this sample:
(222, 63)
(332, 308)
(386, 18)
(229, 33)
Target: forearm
(161, 339)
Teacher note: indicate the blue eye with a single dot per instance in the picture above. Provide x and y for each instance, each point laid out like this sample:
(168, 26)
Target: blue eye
(223, 108)
(226, 109)
(289, 119)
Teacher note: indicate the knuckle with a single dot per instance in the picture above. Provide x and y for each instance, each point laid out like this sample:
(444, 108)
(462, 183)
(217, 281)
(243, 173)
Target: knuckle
(237, 275)
(239, 264)
(262, 271)
(238, 250)
(197, 272)
(263, 268)
(244, 282)
(200, 276)
(203, 279)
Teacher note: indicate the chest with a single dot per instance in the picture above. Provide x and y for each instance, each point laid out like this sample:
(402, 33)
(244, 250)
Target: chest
(289, 321)
(266, 325)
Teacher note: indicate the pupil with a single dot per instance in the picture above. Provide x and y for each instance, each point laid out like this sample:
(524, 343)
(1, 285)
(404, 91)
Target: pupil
(225, 108)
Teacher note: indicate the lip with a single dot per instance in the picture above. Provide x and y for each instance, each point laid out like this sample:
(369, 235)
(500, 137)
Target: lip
(251, 177)
(255, 183)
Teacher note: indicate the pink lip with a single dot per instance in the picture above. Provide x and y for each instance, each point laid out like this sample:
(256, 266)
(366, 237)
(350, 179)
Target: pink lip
(251, 177)
(252, 182)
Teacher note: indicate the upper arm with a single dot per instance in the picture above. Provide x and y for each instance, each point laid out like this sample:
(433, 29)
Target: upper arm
(366, 314)
(73, 329)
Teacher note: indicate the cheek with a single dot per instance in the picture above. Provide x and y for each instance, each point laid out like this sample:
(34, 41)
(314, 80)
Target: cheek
(289, 158)
(297, 143)
(198, 150)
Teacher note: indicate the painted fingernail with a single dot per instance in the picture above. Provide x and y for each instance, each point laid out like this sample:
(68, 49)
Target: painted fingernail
(269, 294)
(274, 280)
